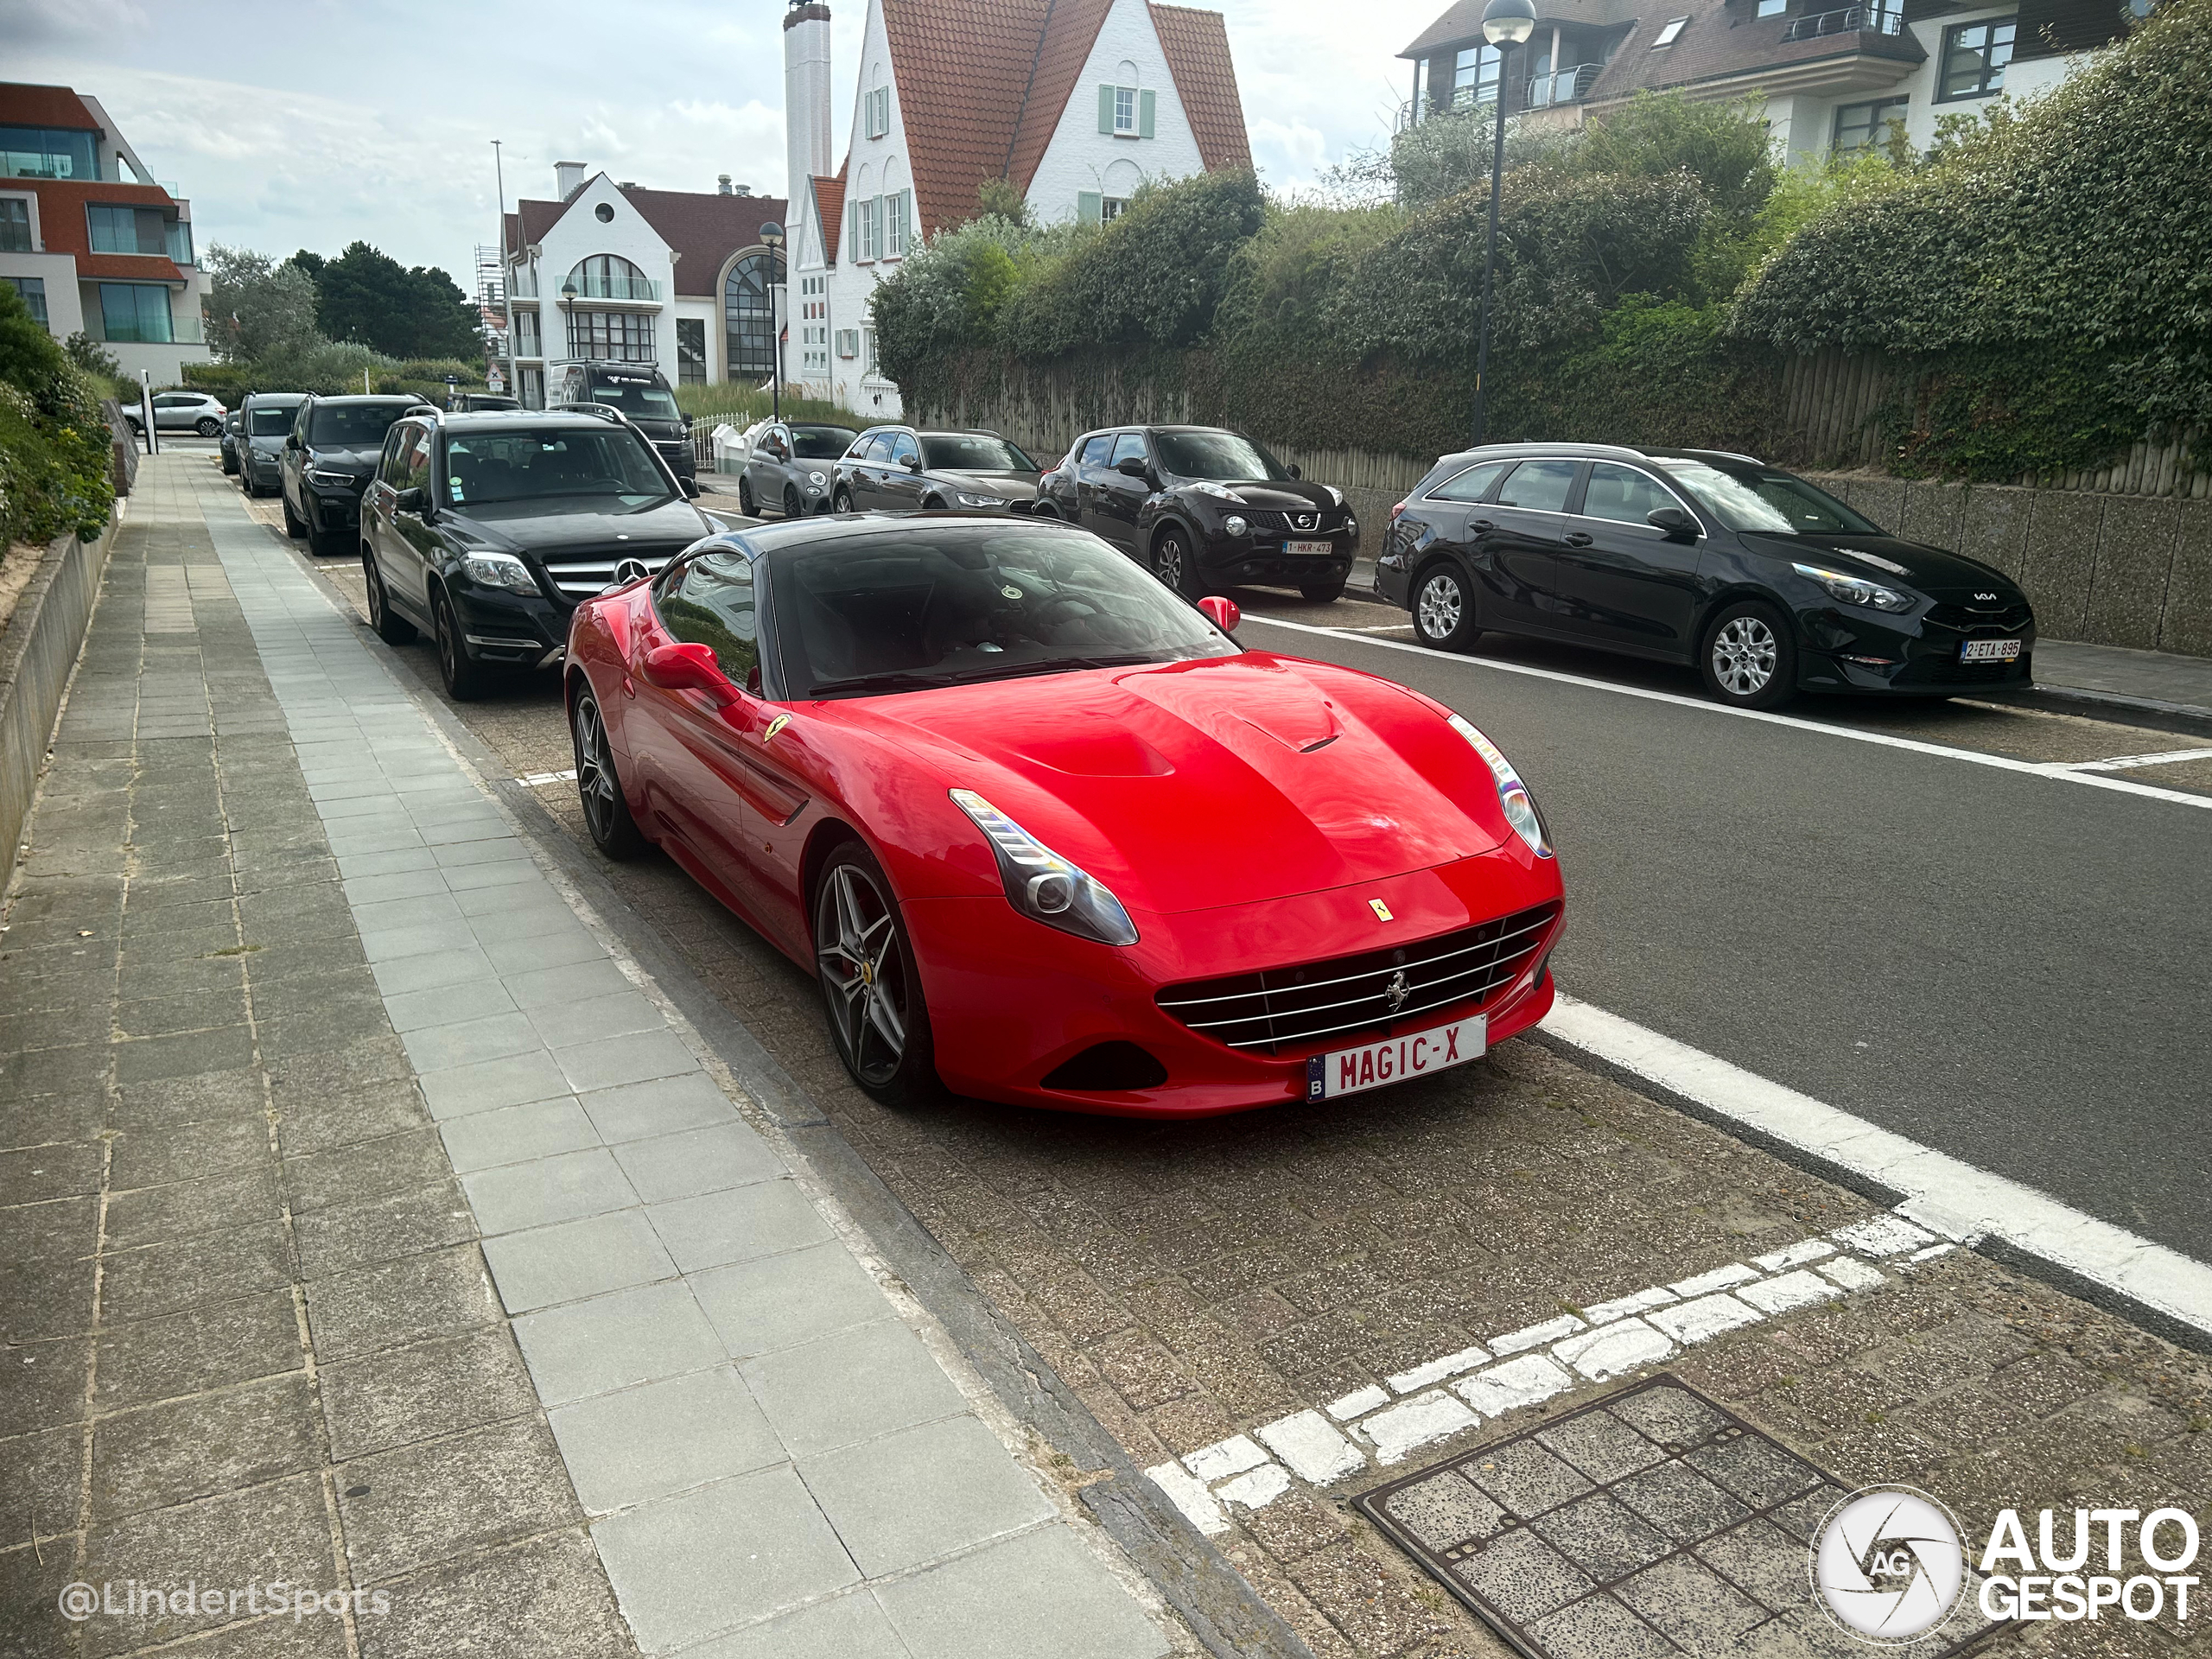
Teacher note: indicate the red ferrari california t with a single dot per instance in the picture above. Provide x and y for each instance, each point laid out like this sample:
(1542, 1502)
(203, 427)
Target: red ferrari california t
(1045, 834)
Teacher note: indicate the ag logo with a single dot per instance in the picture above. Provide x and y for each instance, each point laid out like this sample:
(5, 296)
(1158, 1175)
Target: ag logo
(1888, 1564)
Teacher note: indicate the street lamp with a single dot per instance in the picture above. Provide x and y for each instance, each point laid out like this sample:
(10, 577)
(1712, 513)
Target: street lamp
(1506, 23)
(771, 237)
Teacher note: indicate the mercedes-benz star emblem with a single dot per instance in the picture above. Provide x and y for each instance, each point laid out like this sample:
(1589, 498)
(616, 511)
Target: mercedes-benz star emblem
(1397, 991)
(630, 571)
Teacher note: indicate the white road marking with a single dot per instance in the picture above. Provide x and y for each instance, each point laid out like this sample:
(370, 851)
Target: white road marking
(1797, 1256)
(1522, 1381)
(1614, 1350)
(1535, 1336)
(539, 779)
(1224, 1457)
(1436, 1371)
(1943, 1194)
(1998, 762)
(1793, 1290)
(1191, 1496)
(1706, 1317)
(1423, 1420)
(1312, 1448)
(1257, 1490)
(1359, 1402)
(2128, 762)
(1719, 1279)
(1621, 1307)
(1850, 1273)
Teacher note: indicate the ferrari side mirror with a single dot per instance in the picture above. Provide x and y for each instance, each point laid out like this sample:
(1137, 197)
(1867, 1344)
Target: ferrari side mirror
(688, 666)
(1222, 612)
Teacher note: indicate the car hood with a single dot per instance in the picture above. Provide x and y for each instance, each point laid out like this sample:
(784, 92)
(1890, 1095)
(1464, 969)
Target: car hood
(1890, 559)
(1285, 495)
(1014, 487)
(1193, 785)
(362, 461)
(550, 527)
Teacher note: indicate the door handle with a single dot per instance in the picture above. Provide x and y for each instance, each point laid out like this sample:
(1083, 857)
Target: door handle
(1483, 524)
(1577, 538)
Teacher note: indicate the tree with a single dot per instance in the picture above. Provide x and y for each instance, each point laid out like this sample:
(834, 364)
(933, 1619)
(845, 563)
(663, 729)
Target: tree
(368, 296)
(1002, 199)
(256, 308)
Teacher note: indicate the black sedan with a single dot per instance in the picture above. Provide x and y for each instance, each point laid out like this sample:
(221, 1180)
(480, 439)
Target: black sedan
(1767, 584)
(1205, 509)
(486, 530)
(327, 461)
(894, 467)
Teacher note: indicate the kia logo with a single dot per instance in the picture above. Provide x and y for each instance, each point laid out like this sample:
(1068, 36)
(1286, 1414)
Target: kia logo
(1985, 595)
(630, 571)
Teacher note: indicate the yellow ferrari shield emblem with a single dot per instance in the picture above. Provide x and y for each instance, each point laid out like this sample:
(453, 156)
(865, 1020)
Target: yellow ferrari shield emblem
(775, 726)
(1382, 911)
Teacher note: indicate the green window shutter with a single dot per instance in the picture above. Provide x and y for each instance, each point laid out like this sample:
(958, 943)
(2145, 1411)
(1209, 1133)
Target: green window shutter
(1146, 101)
(1105, 108)
(1086, 206)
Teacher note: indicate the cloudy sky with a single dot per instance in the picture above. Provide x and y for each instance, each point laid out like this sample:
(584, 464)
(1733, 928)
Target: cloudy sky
(310, 122)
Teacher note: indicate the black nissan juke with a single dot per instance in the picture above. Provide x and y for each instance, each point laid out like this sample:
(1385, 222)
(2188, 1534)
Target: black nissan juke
(1766, 583)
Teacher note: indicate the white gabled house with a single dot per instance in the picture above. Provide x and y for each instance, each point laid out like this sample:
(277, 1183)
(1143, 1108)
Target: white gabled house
(1074, 103)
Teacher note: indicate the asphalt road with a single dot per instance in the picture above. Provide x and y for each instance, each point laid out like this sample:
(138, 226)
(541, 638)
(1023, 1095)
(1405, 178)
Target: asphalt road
(2012, 969)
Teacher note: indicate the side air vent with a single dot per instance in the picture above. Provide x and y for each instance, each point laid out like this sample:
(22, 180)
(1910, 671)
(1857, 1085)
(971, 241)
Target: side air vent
(1104, 1067)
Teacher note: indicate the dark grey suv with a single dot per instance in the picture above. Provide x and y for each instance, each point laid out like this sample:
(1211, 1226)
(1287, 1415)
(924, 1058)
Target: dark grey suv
(894, 467)
(264, 422)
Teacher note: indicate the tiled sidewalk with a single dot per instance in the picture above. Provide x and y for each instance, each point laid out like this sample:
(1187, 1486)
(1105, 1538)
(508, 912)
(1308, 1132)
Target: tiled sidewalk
(363, 1047)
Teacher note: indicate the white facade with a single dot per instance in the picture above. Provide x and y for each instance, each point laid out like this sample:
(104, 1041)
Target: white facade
(630, 318)
(1086, 172)
(1080, 159)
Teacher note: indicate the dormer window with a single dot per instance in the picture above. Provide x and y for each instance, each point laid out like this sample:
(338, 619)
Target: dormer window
(1670, 32)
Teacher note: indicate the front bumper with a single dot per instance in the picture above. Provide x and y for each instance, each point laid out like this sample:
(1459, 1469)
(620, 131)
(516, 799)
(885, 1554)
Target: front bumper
(682, 459)
(506, 629)
(1011, 1000)
(335, 507)
(1846, 651)
(1261, 558)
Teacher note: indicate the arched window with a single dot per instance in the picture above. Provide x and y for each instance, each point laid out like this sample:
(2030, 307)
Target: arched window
(746, 316)
(608, 276)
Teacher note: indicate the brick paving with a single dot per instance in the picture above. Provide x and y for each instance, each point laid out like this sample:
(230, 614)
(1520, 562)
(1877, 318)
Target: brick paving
(1190, 1282)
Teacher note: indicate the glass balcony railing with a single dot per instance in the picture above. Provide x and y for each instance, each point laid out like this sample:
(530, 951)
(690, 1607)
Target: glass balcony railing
(152, 331)
(595, 285)
(1570, 84)
(522, 284)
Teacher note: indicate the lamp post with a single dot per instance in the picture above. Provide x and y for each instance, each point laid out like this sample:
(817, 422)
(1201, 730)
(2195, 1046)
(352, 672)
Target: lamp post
(1506, 23)
(771, 237)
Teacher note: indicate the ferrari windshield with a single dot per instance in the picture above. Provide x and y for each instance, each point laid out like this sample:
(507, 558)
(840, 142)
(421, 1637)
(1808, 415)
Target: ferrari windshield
(593, 461)
(899, 611)
(1227, 457)
(1779, 503)
(973, 451)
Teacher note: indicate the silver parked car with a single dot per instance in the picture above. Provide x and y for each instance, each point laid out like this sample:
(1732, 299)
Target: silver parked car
(791, 466)
(265, 421)
(187, 412)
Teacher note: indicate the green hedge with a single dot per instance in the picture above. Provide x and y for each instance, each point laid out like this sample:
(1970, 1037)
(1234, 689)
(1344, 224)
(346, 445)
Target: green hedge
(56, 456)
(2047, 273)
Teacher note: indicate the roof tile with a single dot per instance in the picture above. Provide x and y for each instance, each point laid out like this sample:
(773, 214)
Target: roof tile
(1197, 44)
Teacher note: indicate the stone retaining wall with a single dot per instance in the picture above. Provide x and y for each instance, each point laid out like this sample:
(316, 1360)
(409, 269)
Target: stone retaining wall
(37, 650)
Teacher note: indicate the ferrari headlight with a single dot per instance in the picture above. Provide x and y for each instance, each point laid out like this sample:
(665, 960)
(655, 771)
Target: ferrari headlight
(1042, 885)
(1854, 590)
(499, 570)
(1234, 525)
(1512, 794)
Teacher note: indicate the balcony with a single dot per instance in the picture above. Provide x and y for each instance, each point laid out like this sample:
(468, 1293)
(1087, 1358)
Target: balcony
(1850, 20)
(597, 285)
(1460, 101)
(150, 331)
(1569, 85)
(522, 282)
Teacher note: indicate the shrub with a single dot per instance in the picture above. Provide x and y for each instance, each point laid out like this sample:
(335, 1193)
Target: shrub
(55, 449)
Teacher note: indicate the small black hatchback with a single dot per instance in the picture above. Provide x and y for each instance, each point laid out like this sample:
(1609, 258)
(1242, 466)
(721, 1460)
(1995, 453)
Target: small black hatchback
(1766, 583)
(1204, 509)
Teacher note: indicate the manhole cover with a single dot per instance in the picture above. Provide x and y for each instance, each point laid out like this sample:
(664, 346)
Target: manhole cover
(1653, 1523)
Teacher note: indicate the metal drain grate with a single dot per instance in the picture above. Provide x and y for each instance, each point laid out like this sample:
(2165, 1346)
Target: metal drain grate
(1653, 1523)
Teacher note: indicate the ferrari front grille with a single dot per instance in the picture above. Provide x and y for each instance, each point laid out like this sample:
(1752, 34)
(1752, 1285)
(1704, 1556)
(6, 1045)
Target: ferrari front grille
(1377, 990)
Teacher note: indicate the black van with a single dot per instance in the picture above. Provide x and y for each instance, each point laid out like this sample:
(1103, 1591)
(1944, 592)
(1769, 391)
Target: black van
(639, 390)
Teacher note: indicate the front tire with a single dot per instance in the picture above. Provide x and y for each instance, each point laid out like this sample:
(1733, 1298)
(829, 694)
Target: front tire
(606, 809)
(293, 527)
(207, 426)
(325, 543)
(744, 503)
(842, 501)
(1172, 564)
(1750, 660)
(871, 994)
(464, 676)
(793, 507)
(391, 628)
(1444, 609)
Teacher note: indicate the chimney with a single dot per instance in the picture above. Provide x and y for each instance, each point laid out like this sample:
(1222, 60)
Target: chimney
(568, 178)
(742, 190)
(806, 97)
(721, 181)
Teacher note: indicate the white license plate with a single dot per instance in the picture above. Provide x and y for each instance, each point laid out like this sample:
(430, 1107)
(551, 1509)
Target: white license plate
(1317, 550)
(1349, 1070)
(1990, 650)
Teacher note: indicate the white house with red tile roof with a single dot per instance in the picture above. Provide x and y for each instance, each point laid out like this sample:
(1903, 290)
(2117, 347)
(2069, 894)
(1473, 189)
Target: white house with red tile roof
(678, 279)
(1073, 102)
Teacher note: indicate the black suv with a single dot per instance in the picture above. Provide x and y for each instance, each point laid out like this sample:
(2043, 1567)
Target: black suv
(1769, 585)
(327, 459)
(1203, 509)
(892, 467)
(487, 530)
(264, 422)
(637, 392)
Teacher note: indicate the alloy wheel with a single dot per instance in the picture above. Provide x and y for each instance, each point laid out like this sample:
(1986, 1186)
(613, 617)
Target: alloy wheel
(596, 781)
(1440, 606)
(1744, 652)
(864, 969)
